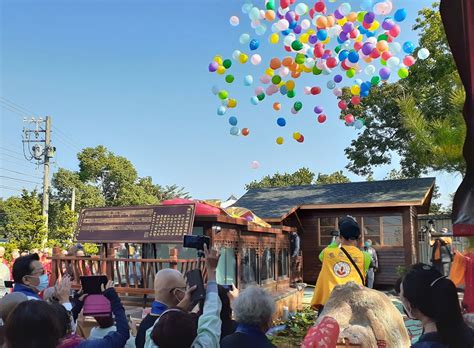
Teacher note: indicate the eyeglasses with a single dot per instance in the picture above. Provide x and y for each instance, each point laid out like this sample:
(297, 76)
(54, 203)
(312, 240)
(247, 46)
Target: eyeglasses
(180, 288)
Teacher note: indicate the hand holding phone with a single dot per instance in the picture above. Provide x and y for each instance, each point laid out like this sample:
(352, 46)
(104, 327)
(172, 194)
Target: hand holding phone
(194, 278)
(92, 285)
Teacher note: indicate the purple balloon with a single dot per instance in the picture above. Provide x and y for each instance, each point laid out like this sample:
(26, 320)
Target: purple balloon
(326, 55)
(348, 27)
(297, 29)
(293, 111)
(313, 39)
(367, 48)
(385, 73)
(318, 109)
(338, 14)
(337, 78)
(343, 36)
(290, 16)
(213, 66)
(388, 23)
(369, 17)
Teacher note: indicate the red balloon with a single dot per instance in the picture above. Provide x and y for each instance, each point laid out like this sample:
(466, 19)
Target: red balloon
(386, 55)
(322, 118)
(395, 31)
(408, 60)
(344, 65)
(320, 6)
(358, 46)
(366, 25)
(288, 48)
(312, 12)
(354, 100)
(315, 90)
(389, 37)
(331, 62)
(245, 132)
(375, 53)
(353, 34)
(349, 118)
(342, 105)
(300, 139)
(318, 50)
(284, 3)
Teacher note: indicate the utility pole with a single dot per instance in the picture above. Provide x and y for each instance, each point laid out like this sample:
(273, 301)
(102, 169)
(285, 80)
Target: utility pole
(40, 154)
(73, 199)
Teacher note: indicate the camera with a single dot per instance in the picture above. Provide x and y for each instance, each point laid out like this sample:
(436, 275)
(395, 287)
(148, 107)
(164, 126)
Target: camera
(335, 233)
(197, 242)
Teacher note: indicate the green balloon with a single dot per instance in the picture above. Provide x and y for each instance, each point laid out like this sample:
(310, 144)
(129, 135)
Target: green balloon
(261, 96)
(227, 63)
(223, 94)
(296, 45)
(382, 37)
(270, 5)
(350, 73)
(291, 94)
(300, 58)
(375, 80)
(276, 79)
(229, 78)
(298, 105)
(383, 62)
(338, 49)
(403, 73)
(317, 71)
(360, 16)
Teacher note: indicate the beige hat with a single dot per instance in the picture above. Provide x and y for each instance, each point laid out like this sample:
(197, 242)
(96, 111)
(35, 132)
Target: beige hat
(9, 302)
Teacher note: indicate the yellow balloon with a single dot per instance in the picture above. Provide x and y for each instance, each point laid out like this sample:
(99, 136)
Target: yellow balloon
(300, 68)
(280, 140)
(311, 32)
(342, 21)
(274, 38)
(232, 103)
(325, 42)
(243, 58)
(281, 83)
(355, 90)
(375, 25)
(304, 38)
(220, 70)
(290, 85)
(218, 59)
(359, 38)
(306, 69)
(296, 135)
(269, 72)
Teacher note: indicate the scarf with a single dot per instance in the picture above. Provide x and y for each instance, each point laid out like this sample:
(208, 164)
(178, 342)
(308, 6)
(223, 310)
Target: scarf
(29, 292)
(157, 308)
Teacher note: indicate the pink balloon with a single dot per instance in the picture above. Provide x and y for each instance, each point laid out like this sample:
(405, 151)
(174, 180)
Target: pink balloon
(259, 90)
(265, 79)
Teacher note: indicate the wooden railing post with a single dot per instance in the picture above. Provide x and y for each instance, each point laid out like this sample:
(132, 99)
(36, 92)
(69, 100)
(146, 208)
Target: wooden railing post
(110, 265)
(55, 265)
(174, 258)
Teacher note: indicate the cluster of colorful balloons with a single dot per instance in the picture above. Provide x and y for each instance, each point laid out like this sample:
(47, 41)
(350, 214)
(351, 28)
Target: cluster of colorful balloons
(339, 48)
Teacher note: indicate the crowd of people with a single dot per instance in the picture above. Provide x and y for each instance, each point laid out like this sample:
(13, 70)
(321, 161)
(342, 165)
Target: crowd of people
(38, 315)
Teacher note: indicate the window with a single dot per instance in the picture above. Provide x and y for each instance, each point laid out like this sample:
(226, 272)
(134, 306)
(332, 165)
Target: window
(326, 226)
(268, 265)
(283, 263)
(226, 268)
(384, 230)
(249, 266)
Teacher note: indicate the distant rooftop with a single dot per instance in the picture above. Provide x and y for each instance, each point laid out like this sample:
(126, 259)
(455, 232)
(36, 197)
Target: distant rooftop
(275, 203)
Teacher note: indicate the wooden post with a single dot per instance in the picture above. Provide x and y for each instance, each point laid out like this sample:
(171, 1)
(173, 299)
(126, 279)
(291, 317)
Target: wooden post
(174, 258)
(110, 264)
(55, 265)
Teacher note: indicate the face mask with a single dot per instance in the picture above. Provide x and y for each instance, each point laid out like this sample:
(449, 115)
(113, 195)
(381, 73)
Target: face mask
(44, 282)
(407, 313)
(367, 244)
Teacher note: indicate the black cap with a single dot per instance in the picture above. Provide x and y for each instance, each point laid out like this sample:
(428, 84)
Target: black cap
(349, 228)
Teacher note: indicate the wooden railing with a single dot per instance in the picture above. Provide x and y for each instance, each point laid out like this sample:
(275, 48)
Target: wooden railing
(131, 276)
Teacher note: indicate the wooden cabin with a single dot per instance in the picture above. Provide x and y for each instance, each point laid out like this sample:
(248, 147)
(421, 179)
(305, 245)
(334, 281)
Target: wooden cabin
(386, 211)
(137, 242)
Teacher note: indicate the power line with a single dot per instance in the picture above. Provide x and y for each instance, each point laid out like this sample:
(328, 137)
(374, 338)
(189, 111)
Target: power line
(12, 151)
(17, 106)
(10, 188)
(12, 178)
(14, 171)
(9, 108)
(7, 154)
(22, 164)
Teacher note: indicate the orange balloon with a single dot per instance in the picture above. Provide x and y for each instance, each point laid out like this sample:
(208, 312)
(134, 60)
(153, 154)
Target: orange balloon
(295, 74)
(245, 132)
(331, 20)
(270, 15)
(276, 106)
(290, 85)
(352, 17)
(294, 67)
(287, 61)
(322, 22)
(382, 46)
(275, 63)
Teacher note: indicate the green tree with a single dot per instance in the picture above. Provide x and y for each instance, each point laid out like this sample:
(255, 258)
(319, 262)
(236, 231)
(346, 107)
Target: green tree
(62, 224)
(334, 178)
(428, 82)
(22, 220)
(302, 176)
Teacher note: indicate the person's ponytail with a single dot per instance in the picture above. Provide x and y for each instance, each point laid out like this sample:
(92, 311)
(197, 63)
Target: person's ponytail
(447, 315)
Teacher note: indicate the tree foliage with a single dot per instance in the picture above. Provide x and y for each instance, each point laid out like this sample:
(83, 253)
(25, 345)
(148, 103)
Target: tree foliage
(334, 178)
(429, 84)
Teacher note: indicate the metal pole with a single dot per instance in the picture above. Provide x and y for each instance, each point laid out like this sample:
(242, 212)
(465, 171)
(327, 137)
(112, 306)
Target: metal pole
(47, 154)
(73, 199)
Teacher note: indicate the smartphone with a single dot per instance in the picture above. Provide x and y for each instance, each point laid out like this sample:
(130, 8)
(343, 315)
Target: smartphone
(8, 283)
(196, 242)
(92, 284)
(194, 277)
(228, 287)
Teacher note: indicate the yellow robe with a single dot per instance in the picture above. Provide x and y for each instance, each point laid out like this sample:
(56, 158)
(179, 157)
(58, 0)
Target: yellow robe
(338, 270)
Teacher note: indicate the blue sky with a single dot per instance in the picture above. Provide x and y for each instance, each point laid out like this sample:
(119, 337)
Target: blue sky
(132, 75)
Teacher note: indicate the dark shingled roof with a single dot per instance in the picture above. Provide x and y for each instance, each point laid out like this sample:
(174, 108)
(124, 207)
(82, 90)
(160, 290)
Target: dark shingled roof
(271, 203)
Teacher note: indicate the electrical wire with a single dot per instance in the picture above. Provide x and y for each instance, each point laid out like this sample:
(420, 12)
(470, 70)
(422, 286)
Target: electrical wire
(12, 151)
(10, 188)
(14, 171)
(22, 164)
(17, 106)
(7, 154)
(23, 180)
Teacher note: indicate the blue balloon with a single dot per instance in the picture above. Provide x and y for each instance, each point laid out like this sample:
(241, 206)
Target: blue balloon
(254, 44)
(292, 25)
(337, 78)
(234, 131)
(331, 84)
(281, 122)
(322, 34)
(233, 121)
(400, 15)
(248, 80)
(286, 32)
(358, 124)
(343, 55)
(362, 30)
(364, 93)
(283, 89)
(353, 57)
(221, 110)
(254, 100)
(408, 47)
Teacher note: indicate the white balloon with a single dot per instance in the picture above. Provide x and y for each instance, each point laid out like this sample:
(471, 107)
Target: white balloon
(289, 39)
(307, 90)
(393, 62)
(284, 71)
(255, 165)
(255, 23)
(309, 63)
(261, 29)
(358, 82)
(215, 90)
(396, 47)
(255, 59)
(423, 53)
(244, 39)
(305, 24)
(254, 13)
(236, 54)
(282, 24)
(337, 91)
(301, 9)
(372, 40)
(370, 70)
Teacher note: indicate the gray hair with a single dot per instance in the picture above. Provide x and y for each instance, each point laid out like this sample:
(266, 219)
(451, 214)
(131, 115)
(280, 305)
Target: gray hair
(254, 306)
